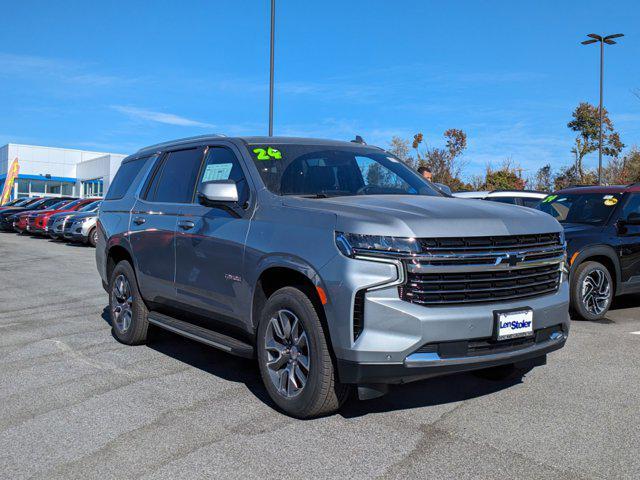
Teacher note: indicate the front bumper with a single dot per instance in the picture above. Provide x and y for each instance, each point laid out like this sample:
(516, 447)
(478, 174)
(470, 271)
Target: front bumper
(391, 346)
(419, 366)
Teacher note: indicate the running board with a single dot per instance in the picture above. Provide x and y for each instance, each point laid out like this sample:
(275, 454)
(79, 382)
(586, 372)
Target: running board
(203, 335)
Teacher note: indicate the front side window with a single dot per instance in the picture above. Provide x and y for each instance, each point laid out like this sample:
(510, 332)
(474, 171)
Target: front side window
(174, 180)
(323, 171)
(632, 207)
(588, 208)
(222, 164)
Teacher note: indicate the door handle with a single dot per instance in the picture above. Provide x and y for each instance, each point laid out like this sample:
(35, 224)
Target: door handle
(186, 224)
(139, 220)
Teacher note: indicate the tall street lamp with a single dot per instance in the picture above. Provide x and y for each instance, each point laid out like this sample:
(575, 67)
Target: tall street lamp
(273, 28)
(593, 38)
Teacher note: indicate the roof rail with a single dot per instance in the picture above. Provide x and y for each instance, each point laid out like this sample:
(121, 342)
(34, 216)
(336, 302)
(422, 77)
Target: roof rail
(181, 140)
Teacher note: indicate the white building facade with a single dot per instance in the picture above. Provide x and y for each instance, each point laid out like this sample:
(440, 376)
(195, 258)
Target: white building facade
(55, 172)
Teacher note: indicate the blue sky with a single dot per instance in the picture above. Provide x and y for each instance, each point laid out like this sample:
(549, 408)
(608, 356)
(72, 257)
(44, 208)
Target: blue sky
(114, 76)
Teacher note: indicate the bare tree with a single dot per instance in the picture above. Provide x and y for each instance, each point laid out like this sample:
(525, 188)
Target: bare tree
(400, 148)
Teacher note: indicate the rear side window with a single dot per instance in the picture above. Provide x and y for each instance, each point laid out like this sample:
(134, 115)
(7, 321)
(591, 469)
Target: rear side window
(174, 181)
(124, 177)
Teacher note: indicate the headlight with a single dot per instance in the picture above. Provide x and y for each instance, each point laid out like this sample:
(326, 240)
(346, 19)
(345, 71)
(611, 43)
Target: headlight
(351, 244)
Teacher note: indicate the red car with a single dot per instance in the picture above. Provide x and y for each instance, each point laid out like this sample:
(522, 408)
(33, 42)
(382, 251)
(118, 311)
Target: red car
(39, 222)
(20, 221)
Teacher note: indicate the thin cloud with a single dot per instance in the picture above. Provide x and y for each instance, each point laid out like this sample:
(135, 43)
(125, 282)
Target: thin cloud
(160, 117)
(30, 66)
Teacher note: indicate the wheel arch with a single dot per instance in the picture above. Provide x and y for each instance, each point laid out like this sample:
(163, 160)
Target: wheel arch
(275, 272)
(602, 254)
(115, 254)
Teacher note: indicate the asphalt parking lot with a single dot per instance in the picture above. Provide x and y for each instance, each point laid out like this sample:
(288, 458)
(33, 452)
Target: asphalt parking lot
(77, 404)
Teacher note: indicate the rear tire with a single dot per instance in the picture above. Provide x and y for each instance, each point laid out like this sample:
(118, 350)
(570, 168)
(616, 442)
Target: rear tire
(294, 358)
(129, 314)
(592, 291)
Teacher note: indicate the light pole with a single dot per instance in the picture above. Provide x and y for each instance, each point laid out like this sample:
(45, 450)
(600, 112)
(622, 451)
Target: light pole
(593, 38)
(273, 28)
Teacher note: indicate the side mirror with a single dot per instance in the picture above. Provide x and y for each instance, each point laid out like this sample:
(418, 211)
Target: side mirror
(218, 191)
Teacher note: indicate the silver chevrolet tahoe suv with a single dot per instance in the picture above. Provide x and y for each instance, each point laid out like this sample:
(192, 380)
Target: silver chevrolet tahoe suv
(331, 263)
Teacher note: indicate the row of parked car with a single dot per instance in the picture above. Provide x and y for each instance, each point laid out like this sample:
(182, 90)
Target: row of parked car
(65, 218)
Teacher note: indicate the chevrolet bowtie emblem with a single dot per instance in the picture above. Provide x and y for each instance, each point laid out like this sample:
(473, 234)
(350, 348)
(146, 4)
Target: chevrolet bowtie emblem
(512, 259)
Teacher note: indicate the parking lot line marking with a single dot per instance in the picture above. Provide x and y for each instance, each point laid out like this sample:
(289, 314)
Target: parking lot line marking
(635, 333)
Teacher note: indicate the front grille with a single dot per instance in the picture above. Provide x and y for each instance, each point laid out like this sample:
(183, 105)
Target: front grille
(493, 244)
(480, 286)
(484, 269)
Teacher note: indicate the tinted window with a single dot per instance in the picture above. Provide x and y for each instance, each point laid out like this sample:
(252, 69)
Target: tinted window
(632, 207)
(531, 202)
(124, 177)
(222, 164)
(590, 208)
(320, 171)
(509, 200)
(174, 180)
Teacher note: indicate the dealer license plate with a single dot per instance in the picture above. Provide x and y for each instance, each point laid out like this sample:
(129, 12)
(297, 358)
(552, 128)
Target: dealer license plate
(514, 324)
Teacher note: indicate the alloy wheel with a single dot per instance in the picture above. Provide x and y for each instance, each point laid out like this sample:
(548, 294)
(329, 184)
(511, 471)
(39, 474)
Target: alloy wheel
(287, 347)
(596, 290)
(122, 310)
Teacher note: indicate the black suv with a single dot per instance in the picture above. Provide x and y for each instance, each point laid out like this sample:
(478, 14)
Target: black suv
(602, 230)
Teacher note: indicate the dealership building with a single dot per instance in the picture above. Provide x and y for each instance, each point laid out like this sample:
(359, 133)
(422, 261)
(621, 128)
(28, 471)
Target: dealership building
(55, 172)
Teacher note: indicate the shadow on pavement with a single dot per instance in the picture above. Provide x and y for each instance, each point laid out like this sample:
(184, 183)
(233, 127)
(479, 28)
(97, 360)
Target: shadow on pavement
(425, 393)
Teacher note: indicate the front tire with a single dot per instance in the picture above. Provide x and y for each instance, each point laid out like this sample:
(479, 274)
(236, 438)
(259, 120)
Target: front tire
(592, 291)
(93, 237)
(129, 314)
(294, 358)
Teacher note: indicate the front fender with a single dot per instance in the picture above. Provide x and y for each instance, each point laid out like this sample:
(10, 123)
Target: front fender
(597, 251)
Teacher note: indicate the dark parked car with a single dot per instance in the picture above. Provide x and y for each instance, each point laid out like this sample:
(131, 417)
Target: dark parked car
(602, 230)
(18, 203)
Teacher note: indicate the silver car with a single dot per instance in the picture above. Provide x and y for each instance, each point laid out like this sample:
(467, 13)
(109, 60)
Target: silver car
(81, 228)
(331, 263)
(57, 222)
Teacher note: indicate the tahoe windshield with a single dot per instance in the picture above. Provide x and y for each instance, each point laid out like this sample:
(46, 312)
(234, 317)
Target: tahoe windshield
(327, 171)
(589, 208)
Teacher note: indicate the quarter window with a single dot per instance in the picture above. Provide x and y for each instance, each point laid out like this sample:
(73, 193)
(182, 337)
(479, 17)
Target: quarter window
(124, 178)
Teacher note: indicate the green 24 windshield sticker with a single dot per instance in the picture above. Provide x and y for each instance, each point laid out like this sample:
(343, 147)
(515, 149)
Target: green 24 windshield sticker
(267, 153)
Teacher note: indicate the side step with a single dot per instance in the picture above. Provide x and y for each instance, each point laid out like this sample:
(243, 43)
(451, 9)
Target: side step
(206, 336)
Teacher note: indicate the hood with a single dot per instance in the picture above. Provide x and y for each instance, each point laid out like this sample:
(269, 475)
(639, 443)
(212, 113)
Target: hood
(13, 211)
(425, 216)
(77, 216)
